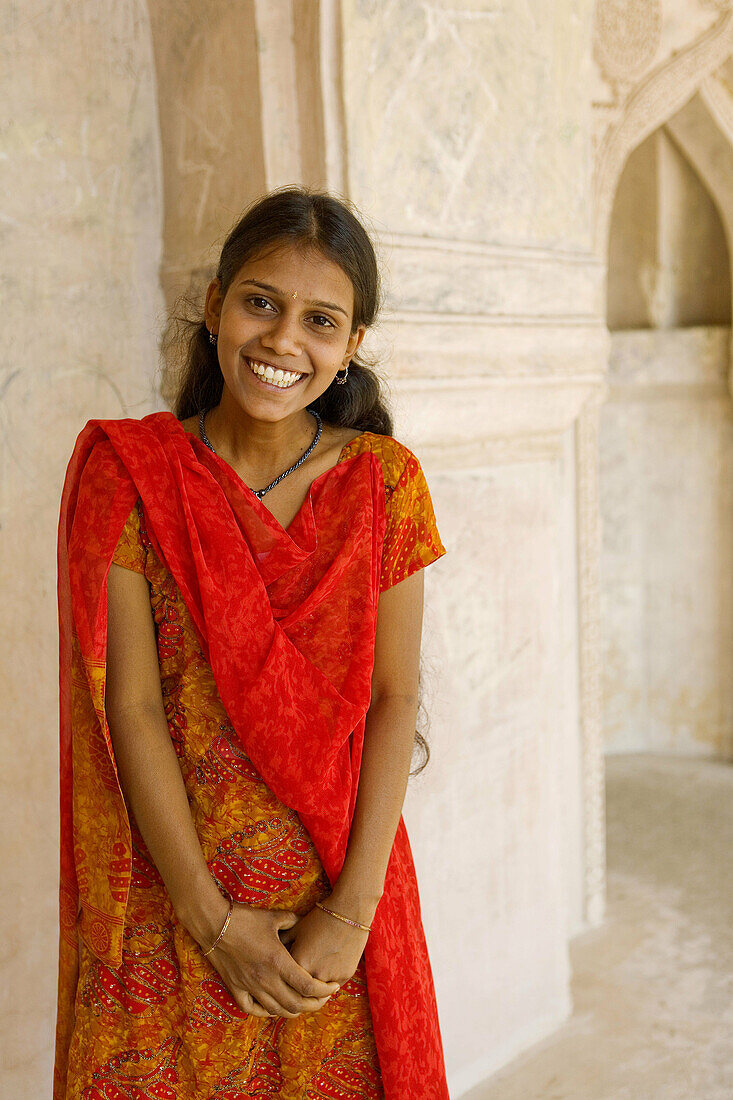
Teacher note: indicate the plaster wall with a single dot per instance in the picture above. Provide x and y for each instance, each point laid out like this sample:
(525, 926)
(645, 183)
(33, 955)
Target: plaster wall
(80, 229)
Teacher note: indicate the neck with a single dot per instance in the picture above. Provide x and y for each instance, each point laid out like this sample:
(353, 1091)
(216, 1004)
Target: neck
(244, 440)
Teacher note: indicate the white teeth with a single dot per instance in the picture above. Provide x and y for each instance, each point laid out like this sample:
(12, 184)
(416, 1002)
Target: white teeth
(282, 378)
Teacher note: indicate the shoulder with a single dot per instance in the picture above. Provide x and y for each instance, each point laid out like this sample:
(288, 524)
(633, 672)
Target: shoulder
(397, 460)
(132, 544)
(104, 436)
(98, 463)
(156, 425)
(128, 423)
(113, 441)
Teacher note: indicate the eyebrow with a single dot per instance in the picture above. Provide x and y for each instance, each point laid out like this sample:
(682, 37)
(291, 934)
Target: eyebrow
(306, 301)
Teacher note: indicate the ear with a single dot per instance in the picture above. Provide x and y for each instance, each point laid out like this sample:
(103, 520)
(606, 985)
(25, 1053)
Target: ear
(355, 340)
(212, 308)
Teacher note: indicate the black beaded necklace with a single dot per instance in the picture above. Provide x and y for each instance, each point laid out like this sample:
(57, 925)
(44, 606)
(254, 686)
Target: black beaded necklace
(259, 493)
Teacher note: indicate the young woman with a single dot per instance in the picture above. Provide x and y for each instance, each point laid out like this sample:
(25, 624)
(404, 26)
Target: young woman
(240, 608)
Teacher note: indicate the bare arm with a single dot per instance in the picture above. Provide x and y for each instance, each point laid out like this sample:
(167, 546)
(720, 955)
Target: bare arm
(149, 773)
(388, 743)
(251, 958)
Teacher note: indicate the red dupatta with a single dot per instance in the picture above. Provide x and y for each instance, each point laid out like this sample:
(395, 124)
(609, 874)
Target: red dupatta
(293, 671)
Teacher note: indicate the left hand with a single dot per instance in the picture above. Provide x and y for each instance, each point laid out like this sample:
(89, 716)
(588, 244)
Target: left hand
(326, 947)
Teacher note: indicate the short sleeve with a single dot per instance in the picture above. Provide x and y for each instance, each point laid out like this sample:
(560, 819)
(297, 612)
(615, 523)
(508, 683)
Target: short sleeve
(130, 551)
(411, 538)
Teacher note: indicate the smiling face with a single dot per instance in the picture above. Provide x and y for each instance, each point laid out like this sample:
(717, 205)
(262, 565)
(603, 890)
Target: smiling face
(284, 330)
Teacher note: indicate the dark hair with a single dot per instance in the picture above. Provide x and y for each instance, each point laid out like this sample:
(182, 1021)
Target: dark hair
(312, 219)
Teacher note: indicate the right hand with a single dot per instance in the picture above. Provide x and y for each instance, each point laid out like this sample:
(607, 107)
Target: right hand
(259, 971)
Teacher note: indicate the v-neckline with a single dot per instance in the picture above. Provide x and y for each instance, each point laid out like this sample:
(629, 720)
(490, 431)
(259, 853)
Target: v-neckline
(233, 473)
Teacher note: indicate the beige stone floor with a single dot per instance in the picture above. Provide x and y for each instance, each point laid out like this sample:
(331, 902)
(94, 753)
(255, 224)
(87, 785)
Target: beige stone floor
(653, 987)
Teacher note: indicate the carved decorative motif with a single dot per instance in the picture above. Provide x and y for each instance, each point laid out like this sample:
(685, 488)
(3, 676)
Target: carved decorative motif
(626, 37)
(655, 99)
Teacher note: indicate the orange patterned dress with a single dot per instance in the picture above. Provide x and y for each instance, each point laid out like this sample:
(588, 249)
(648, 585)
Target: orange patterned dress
(163, 1026)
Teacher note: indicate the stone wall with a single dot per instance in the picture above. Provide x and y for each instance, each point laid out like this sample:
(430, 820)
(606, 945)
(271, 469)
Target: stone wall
(477, 189)
(667, 494)
(467, 134)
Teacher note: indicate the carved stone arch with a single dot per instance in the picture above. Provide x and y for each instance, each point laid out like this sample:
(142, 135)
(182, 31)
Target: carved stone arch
(686, 108)
(710, 152)
(703, 129)
(648, 102)
(656, 98)
(660, 274)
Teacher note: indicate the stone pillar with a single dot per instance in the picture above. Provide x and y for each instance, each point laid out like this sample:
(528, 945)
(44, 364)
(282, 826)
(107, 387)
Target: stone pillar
(242, 110)
(468, 146)
(210, 110)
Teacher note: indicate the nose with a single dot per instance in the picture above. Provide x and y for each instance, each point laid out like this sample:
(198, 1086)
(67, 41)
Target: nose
(283, 335)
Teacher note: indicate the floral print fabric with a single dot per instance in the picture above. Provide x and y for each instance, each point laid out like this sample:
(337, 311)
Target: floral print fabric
(142, 1013)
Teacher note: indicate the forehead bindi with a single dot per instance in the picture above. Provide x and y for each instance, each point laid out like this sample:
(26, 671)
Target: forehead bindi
(314, 277)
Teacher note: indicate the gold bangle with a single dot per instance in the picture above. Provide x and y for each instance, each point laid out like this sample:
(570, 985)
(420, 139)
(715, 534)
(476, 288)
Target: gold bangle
(223, 928)
(354, 923)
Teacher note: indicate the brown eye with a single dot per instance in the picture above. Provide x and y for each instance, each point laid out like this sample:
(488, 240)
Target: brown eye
(258, 302)
(319, 317)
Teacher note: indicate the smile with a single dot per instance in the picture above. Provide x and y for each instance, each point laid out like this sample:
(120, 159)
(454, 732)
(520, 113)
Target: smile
(269, 376)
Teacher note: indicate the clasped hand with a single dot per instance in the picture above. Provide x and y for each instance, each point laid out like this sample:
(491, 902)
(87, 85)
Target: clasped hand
(275, 963)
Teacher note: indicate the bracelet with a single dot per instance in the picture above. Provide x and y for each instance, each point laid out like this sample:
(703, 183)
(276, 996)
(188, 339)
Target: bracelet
(354, 923)
(223, 928)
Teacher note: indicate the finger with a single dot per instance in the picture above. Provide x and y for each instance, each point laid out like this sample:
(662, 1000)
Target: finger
(284, 918)
(249, 1005)
(285, 996)
(273, 1005)
(294, 975)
